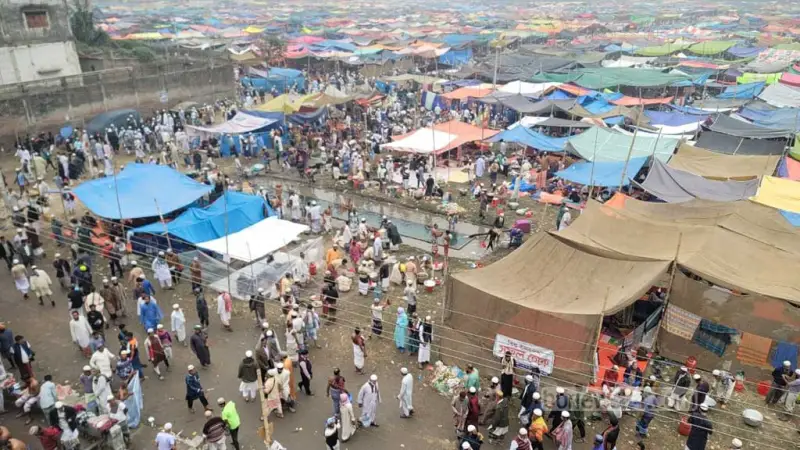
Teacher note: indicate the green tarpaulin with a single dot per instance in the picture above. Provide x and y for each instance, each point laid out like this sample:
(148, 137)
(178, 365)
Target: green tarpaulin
(749, 77)
(607, 77)
(662, 50)
(795, 150)
(711, 47)
(602, 145)
(550, 77)
(792, 46)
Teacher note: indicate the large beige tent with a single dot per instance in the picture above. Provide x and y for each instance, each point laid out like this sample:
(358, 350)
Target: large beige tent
(709, 164)
(552, 287)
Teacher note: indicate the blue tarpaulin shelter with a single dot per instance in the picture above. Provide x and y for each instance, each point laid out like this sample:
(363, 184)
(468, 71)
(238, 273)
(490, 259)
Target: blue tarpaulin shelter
(456, 57)
(205, 224)
(748, 90)
(530, 138)
(279, 78)
(673, 119)
(144, 190)
(602, 173)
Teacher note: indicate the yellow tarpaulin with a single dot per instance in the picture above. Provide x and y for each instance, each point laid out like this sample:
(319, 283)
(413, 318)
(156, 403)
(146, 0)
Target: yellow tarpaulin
(287, 104)
(779, 193)
(253, 29)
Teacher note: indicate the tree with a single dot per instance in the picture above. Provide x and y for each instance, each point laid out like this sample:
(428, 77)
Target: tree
(83, 27)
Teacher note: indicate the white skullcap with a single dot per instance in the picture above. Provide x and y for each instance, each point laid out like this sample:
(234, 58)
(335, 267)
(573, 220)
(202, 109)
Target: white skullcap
(124, 352)
(523, 431)
(191, 367)
(260, 289)
(59, 405)
(294, 313)
(160, 253)
(113, 278)
(427, 318)
(16, 261)
(220, 400)
(653, 378)
(134, 263)
(272, 372)
(110, 397)
(85, 368)
(403, 370)
(565, 414)
(537, 412)
(616, 367)
(787, 363)
(704, 407)
(58, 255)
(797, 371)
(264, 325)
(684, 369)
(736, 443)
(160, 326)
(715, 372)
(248, 354)
(471, 428)
(176, 306)
(536, 395)
(279, 366)
(472, 390)
(466, 445)
(269, 333)
(696, 376)
(495, 380)
(167, 426)
(559, 390)
(150, 330)
(373, 377)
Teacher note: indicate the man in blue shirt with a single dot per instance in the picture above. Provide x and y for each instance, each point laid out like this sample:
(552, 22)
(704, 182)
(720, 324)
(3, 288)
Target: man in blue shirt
(150, 313)
(165, 439)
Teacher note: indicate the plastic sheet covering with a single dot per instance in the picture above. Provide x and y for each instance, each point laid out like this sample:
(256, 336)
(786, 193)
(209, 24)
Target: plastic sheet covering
(135, 402)
(734, 145)
(263, 274)
(598, 144)
(779, 193)
(709, 164)
(730, 126)
(781, 95)
(674, 186)
(602, 173)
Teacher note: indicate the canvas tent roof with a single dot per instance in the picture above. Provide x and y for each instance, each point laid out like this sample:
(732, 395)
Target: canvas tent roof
(738, 245)
(733, 127)
(257, 240)
(205, 224)
(780, 193)
(734, 145)
(600, 144)
(134, 194)
(568, 281)
(517, 102)
(781, 95)
(528, 89)
(674, 186)
(709, 164)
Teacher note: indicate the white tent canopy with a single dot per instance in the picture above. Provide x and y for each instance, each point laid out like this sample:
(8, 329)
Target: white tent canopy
(256, 241)
(422, 141)
(240, 123)
(528, 89)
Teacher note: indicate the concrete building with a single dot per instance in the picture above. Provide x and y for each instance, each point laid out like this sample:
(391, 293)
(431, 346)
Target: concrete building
(36, 41)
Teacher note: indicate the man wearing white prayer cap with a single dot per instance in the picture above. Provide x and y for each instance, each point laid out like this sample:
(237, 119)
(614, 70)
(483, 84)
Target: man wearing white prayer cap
(781, 376)
(406, 393)
(736, 444)
(369, 396)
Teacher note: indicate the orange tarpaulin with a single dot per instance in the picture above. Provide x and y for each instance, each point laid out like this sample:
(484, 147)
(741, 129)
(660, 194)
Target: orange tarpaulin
(463, 133)
(634, 101)
(467, 92)
(574, 90)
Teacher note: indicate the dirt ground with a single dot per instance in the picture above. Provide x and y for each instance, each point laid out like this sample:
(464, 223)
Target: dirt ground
(46, 329)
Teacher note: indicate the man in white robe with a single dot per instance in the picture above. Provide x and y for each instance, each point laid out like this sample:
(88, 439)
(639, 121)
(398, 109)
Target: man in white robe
(406, 392)
(81, 331)
(161, 271)
(101, 387)
(295, 207)
(178, 324)
(224, 308)
(369, 396)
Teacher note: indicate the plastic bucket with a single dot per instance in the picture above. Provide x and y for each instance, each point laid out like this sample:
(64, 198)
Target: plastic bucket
(429, 285)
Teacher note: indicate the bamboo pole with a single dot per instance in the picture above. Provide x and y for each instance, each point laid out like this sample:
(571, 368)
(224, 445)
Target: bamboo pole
(672, 274)
(163, 222)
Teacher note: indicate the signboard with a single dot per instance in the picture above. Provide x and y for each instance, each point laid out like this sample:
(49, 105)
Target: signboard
(527, 355)
(163, 96)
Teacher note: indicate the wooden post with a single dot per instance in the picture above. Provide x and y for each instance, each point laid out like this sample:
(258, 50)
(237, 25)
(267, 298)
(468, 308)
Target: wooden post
(599, 332)
(671, 281)
(265, 425)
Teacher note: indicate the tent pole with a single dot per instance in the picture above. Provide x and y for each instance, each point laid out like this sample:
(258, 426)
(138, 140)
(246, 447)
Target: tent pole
(671, 282)
(599, 332)
(227, 257)
(166, 228)
(116, 193)
(630, 149)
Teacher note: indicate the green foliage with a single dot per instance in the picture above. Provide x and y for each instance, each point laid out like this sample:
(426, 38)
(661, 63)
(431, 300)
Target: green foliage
(83, 27)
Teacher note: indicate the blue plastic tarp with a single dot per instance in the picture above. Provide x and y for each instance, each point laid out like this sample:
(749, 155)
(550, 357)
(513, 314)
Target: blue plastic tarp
(457, 40)
(791, 217)
(143, 190)
(767, 116)
(530, 138)
(689, 110)
(309, 118)
(456, 57)
(602, 173)
(197, 225)
(558, 95)
(745, 52)
(748, 90)
(673, 119)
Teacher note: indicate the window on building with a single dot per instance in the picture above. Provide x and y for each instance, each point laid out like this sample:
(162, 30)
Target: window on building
(36, 19)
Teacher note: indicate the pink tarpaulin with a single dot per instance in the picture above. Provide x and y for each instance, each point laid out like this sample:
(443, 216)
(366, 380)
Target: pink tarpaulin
(790, 79)
(792, 168)
(631, 101)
